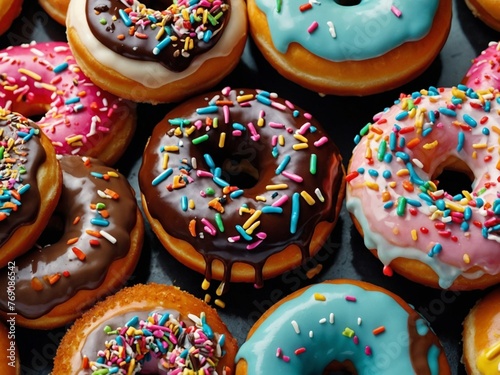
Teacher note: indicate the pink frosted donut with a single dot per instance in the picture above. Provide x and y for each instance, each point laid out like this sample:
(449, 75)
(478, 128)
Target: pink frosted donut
(414, 226)
(485, 70)
(78, 117)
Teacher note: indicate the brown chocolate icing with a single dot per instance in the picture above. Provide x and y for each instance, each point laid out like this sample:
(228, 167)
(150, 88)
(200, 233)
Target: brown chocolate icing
(21, 154)
(161, 35)
(50, 275)
(247, 161)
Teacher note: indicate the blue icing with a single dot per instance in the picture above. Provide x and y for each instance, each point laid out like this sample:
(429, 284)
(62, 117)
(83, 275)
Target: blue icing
(422, 327)
(389, 350)
(362, 31)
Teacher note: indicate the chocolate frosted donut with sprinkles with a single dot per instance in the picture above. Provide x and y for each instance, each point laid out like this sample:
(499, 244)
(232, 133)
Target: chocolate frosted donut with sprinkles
(79, 117)
(30, 182)
(157, 54)
(441, 234)
(342, 325)
(89, 248)
(350, 47)
(241, 185)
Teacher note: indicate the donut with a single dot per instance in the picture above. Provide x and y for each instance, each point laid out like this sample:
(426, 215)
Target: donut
(10, 364)
(56, 9)
(79, 117)
(157, 55)
(481, 336)
(488, 11)
(484, 73)
(349, 47)
(162, 328)
(9, 11)
(241, 185)
(341, 325)
(416, 228)
(89, 249)
(31, 181)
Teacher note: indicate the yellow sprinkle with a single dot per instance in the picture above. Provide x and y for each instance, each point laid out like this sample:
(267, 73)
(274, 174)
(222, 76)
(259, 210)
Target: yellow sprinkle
(368, 153)
(252, 219)
(395, 230)
(466, 258)
(254, 226)
(185, 14)
(281, 140)
(300, 146)
(386, 196)
(171, 148)
(371, 185)
(430, 146)
(277, 187)
(47, 86)
(307, 197)
(75, 138)
(215, 123)
(30, 74)
(458, 93)
(260, 122)
(220, 289)
(392, 184)
(493, 351)
(11, 88)
(414, 235)
(474, 154)
(454, 206)
(467, 195)
(222, 139)
(244, 210)
(496, 129)
(191, 204)
(164, 163)
(412, 112)
(205, 284)
(432, 186)
(189, 130)
(244, 98)
(178, 132)
(130, 331)
(221, 304)
(300, 138)
(207, 298)
(479, 145)
(205, 16)
(261, 198)
(319, 297)
(112, 174)
(403, 172)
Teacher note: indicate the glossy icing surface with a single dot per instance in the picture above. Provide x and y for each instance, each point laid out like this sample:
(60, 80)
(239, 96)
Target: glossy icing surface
(330, 322)
(234, 169)
(151, 73)
(21, 154)
(172, 36)
(354, 32)
(43, 79)
(393, 193)
(485, 69)
(90, 228)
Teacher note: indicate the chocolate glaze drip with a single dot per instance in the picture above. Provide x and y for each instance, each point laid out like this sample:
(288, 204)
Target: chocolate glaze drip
(246, 163)
(57, 262)
(420, 345)
(19, 163)
(110, 28)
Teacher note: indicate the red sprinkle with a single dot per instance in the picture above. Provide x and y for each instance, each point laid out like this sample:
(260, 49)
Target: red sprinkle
(305, 7)
(300, 350)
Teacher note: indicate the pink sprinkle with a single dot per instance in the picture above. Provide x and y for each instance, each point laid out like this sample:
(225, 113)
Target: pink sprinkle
(289, 104)
(304, 128)
(226, 113)
(396, 11)
(368, 350)
(201, 173)
(226, 90)
(286, 358)
(234, 239)
(276, 125)
(355, 339)
(198, 124)
(208, 224)
(292, 176)
(278, 352)
(261, 235)
(253, 245)
(280, 201)
(237, 133)
(350, 298)
(279, 106)
(321, 141)
(274, 140)
(312, 27)
(308, 116)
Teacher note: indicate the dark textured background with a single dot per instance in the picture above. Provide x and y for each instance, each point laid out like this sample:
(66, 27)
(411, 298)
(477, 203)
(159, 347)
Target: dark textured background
(344, 255)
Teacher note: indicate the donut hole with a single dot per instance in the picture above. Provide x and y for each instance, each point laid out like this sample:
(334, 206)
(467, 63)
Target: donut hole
(347, 2)
(340, 368)
(239, 170)
(53, 232)
(454, 176)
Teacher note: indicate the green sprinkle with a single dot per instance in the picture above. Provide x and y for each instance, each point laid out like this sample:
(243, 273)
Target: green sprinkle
(401, 206)
(313, 163)
(200, 139)
(209, 191)
(365, 129)
(218, 221)
(381, 150)
(279, 3)
(103, 21)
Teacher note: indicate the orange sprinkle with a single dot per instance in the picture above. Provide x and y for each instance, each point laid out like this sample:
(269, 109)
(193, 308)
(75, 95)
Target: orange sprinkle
(376, 130)
(85, 363)
(408, 186)
(36, 284)
(3, 216)
(386, 196)
(192, 227)
(54, 278)
(93, 233)
(15, 194)
(112, 193)
(378, 330)
(76, 220)
(104, 213)
(71, 241)
(414, 142)
(224, 102)
(79, 254)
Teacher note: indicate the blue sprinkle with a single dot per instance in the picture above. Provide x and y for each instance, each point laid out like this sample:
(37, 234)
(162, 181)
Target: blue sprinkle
(432, 116)
(387, 174)
(61, 67)
(219, 181)
(160, 346)
(389, 204)
(184, 203)
(242, 232)
(403, 156)
(96, 174)
(23, 189)
(283, 164)
(413, 202)
(402, 142)
(295, 212)
(426, 197)
(272, 210)
(133, 321)
(456, 101)
(461, 141)
(373, 172)
(101, 222)
(162, 176)
(125, 18)
(436, 249)
(462, 87)
(402, 115)
(357, 138)
(487, 106)
(262, 99)
(210, 162)
(267, 94)
(447, 112)
(484, 232)
(464, 226)
(467, 213)
(457, 197)
(296, 113)
(160, 46)
(393, 141)
(479, 202)
(387, 158)
(440, 205)
(361, 170)
(217, 172)
(469, 120)
(486, 131)
(413, 175)
(427, 131)
(207, 110)
(236, 194)
(207, 36)
(179, 122)
(238, 126)
(275, 151)
(163, 319)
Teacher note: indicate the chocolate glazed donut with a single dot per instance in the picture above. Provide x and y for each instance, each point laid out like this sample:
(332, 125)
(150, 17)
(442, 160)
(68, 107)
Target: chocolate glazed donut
(241, 185)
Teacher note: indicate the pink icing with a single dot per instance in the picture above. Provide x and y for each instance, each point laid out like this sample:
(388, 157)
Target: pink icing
(451, 234)
(76, 113)
(485, 70)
